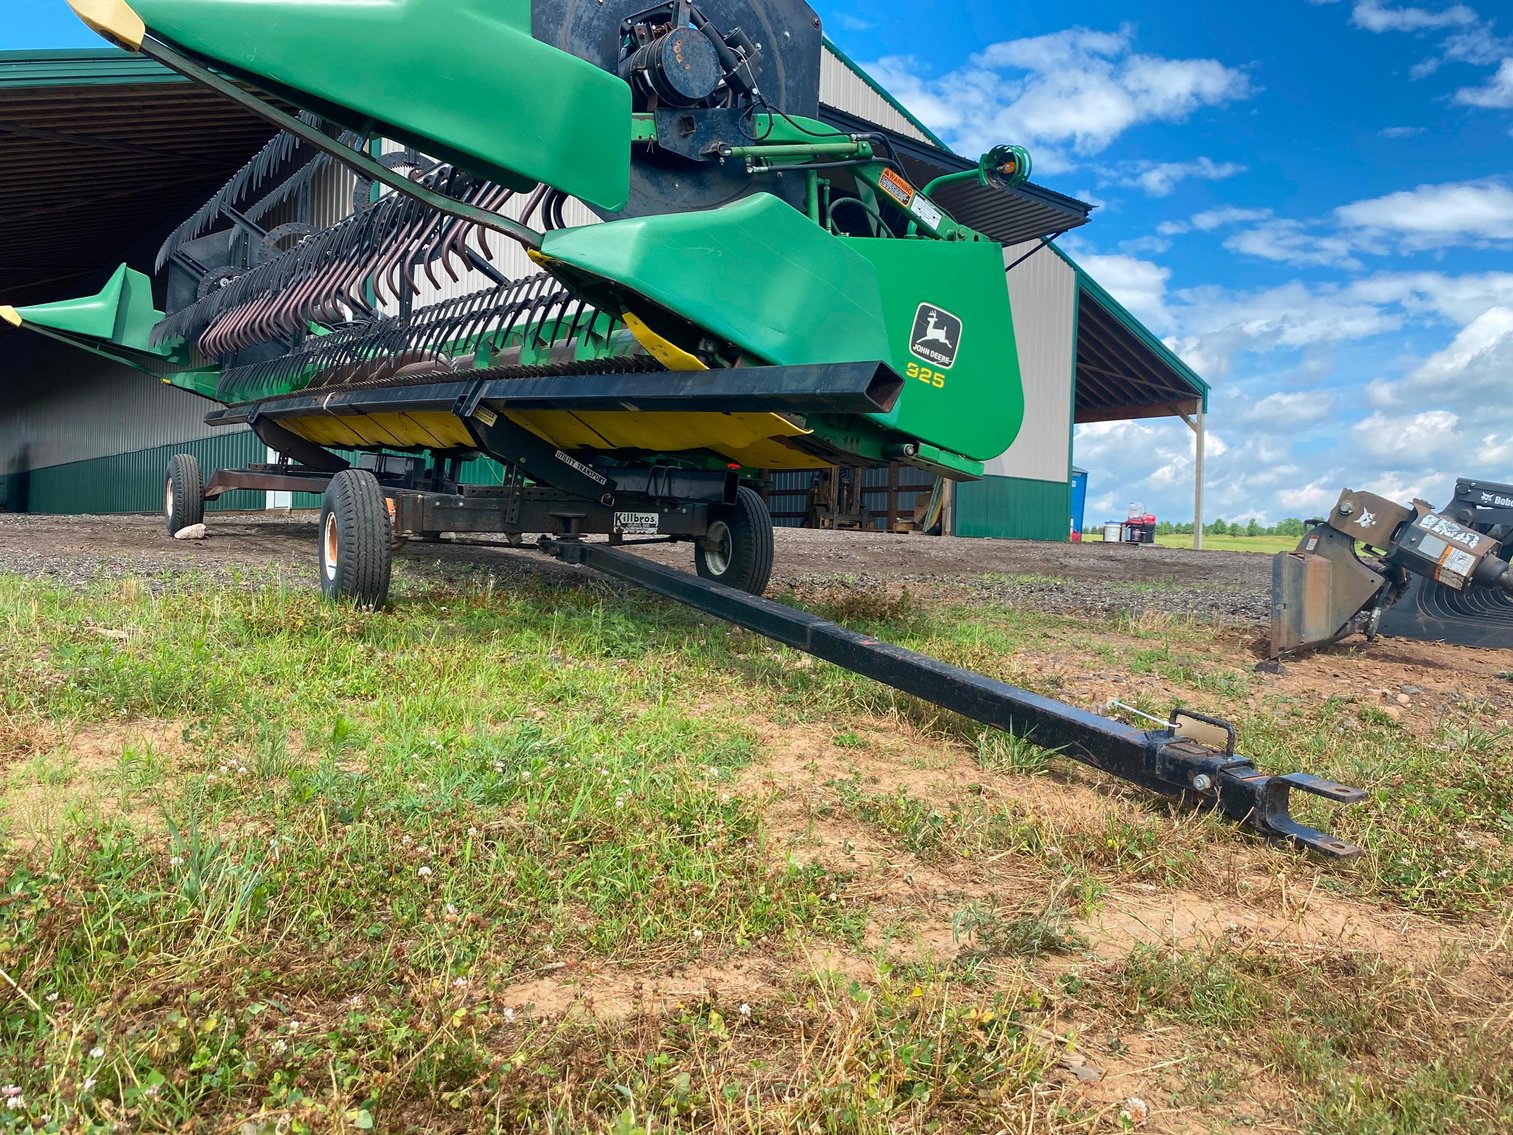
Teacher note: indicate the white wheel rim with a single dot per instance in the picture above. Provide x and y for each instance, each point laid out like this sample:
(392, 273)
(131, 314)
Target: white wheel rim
(329, 546)
(168, 497)
(718, 546)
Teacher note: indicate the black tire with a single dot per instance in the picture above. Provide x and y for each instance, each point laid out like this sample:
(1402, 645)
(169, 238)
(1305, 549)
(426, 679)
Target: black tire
(355, 532)
(183, 493)
(737, 549)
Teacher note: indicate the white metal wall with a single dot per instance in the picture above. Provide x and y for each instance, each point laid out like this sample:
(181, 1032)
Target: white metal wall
(1043, 294)
(62, 405)
(843, 89)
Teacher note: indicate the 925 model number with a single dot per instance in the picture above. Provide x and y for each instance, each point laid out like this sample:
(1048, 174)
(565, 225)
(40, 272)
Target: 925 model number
(925, 374)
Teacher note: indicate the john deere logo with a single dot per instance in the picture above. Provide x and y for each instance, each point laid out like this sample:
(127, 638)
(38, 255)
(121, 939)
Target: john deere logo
(937, 335)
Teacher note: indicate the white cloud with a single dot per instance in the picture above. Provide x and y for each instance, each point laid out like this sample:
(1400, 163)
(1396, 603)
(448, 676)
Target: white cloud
(1290, 242)
(1211, 219)
(1289, 410)
(1312, 499)
(1428, 435)
(1430, 216)
(1467, 38)
(1496, 93)
(1471, 372)
(1376, 16)
(1476, 364)
(1066, 95)
(1160, 178)
(1289, 317)
(1145, 246)
(1400, 131)
(1477, 45)
(1296, 433)
(1459, 299)
(1138, 284)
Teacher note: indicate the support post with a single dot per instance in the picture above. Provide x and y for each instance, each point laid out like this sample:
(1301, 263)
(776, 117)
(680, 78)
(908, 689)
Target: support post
(1200, 435)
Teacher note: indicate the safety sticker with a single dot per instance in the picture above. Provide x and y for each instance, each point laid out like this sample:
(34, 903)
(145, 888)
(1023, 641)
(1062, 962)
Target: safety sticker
(896, 187)
(1455, 567)
(638, 523)
(1451, 531)
(926, 213)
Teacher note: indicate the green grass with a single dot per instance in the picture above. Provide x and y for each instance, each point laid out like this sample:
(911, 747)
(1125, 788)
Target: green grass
(1267, 545)
(271, 866)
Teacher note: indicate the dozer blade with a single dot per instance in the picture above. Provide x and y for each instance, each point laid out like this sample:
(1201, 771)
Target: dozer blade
(1318, 592)
(464, 80)
(116, 324)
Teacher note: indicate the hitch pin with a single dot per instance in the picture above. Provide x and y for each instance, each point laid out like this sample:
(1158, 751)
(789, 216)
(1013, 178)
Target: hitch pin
(1114, 703)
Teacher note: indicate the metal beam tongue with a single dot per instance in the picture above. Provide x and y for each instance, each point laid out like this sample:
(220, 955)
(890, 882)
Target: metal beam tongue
(1163, 760)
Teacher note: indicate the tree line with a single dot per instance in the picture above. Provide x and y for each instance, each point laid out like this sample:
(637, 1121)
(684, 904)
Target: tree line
(1292, 526)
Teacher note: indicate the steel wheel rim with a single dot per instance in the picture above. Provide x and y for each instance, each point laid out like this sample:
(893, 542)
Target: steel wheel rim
(168, 497)
(718, 546)
(329, 546)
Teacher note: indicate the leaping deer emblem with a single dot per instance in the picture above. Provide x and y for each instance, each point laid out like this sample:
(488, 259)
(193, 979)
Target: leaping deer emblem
(935, 333)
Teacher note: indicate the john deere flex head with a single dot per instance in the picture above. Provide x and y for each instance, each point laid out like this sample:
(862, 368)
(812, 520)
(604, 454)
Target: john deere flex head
(735, 230)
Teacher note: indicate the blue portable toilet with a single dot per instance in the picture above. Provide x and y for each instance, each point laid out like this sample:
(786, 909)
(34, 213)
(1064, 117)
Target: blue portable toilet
(1079, 502)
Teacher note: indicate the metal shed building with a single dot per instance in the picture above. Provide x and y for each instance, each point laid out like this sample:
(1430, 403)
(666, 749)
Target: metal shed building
(108, 151)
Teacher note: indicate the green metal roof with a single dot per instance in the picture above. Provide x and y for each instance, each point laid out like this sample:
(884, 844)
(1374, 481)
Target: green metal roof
(1143, 363)
(81, 67)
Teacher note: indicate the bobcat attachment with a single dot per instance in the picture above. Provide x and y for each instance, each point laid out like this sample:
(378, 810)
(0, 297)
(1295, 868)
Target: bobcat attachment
(1428, 574)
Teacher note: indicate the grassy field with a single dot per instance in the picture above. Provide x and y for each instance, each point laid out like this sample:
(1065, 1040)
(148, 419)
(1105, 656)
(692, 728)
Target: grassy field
(568, 859)
(1268, 545)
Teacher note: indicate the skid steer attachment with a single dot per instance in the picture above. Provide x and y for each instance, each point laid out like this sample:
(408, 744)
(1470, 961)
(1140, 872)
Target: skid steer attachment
(1425, 574)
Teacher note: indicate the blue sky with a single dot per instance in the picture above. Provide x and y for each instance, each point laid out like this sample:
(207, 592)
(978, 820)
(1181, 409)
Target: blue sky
(1311, 201)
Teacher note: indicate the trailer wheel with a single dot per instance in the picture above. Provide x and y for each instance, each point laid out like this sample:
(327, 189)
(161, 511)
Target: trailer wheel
(737, 548)
(355, 533)
(183, 493)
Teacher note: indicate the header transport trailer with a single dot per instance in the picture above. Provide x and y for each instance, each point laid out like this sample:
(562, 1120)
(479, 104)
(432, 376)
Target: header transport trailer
(761, 291)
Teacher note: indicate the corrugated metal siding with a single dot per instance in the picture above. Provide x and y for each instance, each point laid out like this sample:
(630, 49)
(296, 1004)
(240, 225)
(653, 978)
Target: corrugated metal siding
(789, 492)
(1043, 294)
(1014, 508)
(133, 482)
(60, 405)
(845, 90)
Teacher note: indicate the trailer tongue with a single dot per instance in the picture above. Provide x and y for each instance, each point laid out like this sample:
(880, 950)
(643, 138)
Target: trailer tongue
(1173, 762)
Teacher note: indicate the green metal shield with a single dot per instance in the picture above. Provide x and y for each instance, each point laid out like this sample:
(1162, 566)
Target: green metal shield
(463, 80)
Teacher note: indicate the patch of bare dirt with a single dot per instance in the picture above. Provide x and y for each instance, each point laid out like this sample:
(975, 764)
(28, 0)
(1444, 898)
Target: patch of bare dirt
(1418, 684)
(612, 991)
(83, 769)
(78, 548)
(1256, 895)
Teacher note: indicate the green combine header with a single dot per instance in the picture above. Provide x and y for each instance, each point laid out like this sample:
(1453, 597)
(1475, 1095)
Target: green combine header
(759, 290)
